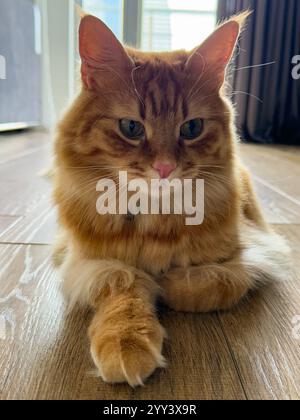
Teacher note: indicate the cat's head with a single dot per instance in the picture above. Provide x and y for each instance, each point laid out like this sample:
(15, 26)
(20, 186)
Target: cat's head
(152, 114)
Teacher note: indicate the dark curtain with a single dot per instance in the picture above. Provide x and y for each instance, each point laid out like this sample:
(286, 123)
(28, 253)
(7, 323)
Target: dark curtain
(269, 109)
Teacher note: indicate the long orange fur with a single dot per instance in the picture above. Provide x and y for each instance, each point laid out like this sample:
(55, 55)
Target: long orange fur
(119, 266)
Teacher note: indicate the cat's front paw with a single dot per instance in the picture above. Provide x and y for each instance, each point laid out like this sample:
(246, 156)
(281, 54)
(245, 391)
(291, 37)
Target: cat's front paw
(127, 353)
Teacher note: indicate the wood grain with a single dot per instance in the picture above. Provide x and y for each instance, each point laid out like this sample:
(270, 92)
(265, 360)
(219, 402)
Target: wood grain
(277, 167)
(36, 227)
(15, 145)
(43, 347)
(277, 208)
(200, 366)
(276, 171)
(7, 222)
(25, 193)
(260, 334)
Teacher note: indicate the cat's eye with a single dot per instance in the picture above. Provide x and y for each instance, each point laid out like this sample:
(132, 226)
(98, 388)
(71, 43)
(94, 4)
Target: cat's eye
(192, 129)
(131, 129)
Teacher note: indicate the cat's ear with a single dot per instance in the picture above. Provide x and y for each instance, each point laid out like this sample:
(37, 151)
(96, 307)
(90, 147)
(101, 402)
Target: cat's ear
(100, 49)
(216, 52)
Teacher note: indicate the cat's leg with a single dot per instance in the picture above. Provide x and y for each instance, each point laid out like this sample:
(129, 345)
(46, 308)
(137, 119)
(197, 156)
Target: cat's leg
(205, 288)
(125, 334)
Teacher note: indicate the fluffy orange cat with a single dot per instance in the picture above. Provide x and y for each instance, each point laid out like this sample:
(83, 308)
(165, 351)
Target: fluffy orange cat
(155, 115)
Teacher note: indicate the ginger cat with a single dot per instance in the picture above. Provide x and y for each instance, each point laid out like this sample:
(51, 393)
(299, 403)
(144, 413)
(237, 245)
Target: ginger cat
(155, 115)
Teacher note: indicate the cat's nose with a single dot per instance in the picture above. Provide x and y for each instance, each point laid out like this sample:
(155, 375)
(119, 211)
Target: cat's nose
(164, 168)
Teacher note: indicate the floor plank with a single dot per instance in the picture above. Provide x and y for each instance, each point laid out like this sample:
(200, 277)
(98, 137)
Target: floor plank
(41, 345)
(22, 187)
(7, 222)
(26, 195)
(276, 171)
(16, 145)
(278, 167)
(38, 226)
(260, 334)
(200, 366)
(277, 208)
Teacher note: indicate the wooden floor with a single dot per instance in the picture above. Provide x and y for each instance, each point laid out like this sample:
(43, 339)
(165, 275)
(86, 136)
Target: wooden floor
(252, 352)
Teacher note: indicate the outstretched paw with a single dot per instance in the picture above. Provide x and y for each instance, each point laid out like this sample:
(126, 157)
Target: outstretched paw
(125, 351)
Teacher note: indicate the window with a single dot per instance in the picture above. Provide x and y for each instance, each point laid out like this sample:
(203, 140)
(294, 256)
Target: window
(176, 24)
(157, 25)
(110, 11)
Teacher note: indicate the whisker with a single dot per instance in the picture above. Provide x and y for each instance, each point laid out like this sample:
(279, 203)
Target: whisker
(256, 66)
(96, 167)
(200, 165)
(248, 94)
(134, 85)
(201, 75)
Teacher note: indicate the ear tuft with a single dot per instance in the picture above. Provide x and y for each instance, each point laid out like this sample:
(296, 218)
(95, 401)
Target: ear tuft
(215, 53)
(80, 12)
(241, 18)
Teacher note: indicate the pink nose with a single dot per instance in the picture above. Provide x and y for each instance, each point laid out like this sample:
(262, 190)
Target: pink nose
(164, 169)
